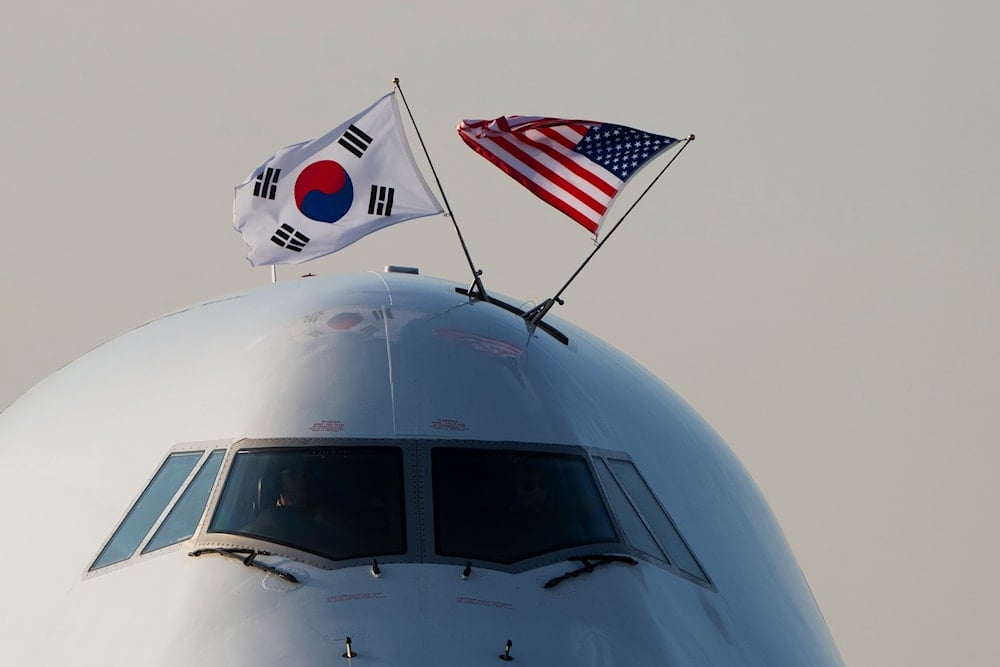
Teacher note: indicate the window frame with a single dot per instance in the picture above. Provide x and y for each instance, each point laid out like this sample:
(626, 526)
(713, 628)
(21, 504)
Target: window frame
(204, 449)
(532, 562)
(205, 539)
(200, 467)
(418, 508)
(608, 456)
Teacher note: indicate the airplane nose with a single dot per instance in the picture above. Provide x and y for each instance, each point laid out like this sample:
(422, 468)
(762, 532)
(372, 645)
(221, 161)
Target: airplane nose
(421, 615)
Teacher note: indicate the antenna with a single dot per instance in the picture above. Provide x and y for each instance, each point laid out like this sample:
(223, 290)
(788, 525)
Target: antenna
(477, 283)
(535, 315)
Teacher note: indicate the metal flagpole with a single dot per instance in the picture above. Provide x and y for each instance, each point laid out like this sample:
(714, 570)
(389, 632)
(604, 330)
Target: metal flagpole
(475, 272)
(535, 315)
(274, 274)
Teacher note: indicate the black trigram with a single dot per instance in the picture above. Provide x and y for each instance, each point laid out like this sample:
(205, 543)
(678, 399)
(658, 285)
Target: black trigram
(355, 141)
(380, 202)
(267, 183)
(286, 237)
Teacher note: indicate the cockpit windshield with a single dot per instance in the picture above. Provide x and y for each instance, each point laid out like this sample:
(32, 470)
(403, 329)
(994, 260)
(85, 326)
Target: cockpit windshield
(335, 502)
(503, 505)
(507, 505)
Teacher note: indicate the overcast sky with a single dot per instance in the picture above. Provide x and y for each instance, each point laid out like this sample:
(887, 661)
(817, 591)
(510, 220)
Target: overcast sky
(818, 274)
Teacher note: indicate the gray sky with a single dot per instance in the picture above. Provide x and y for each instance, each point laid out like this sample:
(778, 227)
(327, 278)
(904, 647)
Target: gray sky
(818, 274)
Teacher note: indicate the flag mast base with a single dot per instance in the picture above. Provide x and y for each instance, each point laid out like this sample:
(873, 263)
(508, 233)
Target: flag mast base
(534, 316)
(475, 290)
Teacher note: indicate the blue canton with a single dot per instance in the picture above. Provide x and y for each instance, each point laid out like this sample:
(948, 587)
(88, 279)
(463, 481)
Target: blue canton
(619, 149)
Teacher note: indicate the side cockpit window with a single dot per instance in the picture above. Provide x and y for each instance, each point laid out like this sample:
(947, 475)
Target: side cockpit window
(183, 518)
(646, 524)
(335, 502)
(635, 529)
(505, 506)
(159, 494)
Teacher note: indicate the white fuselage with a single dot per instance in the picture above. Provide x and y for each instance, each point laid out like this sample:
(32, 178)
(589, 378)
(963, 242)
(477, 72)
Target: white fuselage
(405, 363)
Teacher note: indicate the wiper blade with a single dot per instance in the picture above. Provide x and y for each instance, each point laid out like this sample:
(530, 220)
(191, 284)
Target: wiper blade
(249, 558)
(590, 562)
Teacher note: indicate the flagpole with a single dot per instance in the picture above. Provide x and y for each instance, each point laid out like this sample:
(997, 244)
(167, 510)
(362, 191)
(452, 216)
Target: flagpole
(475, 272)
(274, 274)
(535, 315)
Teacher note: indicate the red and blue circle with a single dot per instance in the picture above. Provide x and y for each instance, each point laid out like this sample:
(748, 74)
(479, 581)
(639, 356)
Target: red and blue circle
(324, 192)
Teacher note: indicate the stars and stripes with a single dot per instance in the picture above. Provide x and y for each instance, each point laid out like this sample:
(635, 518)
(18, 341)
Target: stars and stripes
(577, 166)
(493, 347)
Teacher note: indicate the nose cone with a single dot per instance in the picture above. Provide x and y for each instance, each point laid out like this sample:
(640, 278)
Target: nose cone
(406, 362)
(431, 615)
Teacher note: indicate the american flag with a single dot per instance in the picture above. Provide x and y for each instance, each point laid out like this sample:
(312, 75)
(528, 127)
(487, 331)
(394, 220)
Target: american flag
(577, 166)
(491, 346)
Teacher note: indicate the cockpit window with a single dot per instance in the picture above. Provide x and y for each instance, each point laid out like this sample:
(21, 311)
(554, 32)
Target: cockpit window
(636, 531)
(148, 508)
(507, 505)
(647, 525)
(659, 522)
(183, 518)
(335, 502)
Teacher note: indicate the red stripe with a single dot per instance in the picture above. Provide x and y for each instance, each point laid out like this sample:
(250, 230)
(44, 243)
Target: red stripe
(572, 165)
(561, 204)
(550, 175)
(544, 195)
(551, 133)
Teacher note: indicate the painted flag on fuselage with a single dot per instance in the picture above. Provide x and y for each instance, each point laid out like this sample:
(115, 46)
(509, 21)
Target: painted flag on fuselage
(316, 197)
(577, 166)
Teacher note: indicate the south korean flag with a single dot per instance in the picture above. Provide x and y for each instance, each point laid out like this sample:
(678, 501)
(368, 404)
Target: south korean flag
(316, 197)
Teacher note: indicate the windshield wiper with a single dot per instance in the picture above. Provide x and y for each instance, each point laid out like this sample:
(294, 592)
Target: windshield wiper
(249, 558)
(590, 562)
